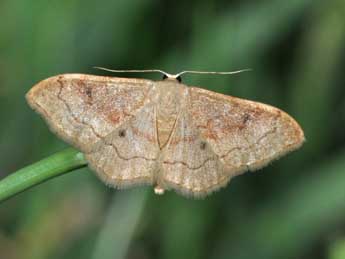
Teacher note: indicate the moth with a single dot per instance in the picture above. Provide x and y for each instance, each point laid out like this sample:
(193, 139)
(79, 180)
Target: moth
(163, 133)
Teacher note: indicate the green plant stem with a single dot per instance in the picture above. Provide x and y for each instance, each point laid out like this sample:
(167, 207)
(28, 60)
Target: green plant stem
(52, 166)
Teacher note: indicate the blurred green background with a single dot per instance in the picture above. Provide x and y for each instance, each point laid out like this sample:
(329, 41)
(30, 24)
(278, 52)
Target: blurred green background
(294, 208)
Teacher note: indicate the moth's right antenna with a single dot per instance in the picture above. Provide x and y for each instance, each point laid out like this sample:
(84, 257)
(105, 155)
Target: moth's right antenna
(213, 72)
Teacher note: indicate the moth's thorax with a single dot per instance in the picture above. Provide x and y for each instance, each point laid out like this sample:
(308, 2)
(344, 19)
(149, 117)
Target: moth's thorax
(171, 95)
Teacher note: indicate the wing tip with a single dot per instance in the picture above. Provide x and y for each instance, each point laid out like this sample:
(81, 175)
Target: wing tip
(35, 90)
(297, 131)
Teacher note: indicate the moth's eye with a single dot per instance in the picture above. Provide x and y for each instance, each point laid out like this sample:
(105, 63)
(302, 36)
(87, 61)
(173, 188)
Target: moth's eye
(203, 145)
(165, 76)
(122, 133)
(179, 79)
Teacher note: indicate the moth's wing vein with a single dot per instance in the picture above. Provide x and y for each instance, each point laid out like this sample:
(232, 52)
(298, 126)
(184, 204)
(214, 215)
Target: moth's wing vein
(128, 156)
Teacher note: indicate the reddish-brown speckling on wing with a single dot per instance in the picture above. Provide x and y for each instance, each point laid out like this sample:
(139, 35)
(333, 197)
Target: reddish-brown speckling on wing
(114, 117)
(187, 139)
(209, 131)
(151, 138)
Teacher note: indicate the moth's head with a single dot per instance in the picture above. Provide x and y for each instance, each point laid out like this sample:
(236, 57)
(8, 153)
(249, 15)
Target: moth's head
(174, 78)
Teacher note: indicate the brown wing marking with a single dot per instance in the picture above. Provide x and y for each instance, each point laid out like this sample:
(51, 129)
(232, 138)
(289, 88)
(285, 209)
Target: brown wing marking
(243, 134)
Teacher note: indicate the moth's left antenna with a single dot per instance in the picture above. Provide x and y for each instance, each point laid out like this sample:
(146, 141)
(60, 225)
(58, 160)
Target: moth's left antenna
(136, 71)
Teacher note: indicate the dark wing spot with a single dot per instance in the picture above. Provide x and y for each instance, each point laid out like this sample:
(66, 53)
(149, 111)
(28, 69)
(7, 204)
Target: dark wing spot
(203, 145)
(246, 117)
(88, 92)
(122, 133)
